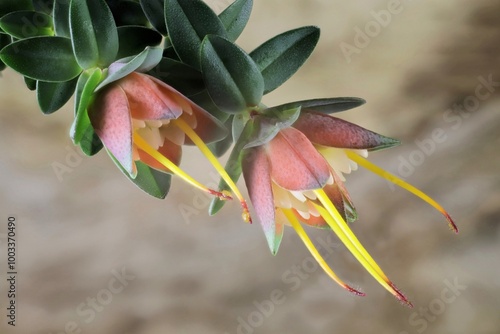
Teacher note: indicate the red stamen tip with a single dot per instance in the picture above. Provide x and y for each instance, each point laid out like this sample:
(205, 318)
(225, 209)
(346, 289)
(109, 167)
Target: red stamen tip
(453, 227)
(223, 196)
(246, 213)
(356, 292)
(399, 295)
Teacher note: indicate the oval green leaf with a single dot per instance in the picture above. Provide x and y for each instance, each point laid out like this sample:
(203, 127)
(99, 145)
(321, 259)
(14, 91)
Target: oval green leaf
(30, 83)
(4, 41)
(182, 77)
(61, 18)
(42, 58)
(134, 39)
(235, 17)
(93, 32)
(280, 57)
(52, 96)
(44, 6)
(327, 105)
(26, 23)
(9, 6)
(82, 131)
(154, 11)
(231, 77)
(188, 22)
(153, 182)
(128, 12)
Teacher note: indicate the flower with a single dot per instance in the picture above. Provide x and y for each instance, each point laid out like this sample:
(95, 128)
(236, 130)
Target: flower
(297, 177)
(140, 118)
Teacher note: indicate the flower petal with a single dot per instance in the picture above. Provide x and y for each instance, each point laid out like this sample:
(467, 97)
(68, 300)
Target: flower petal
(206, 126)
(149, 98)
(349, 209)
(296, 164)
(331, 131)
(313, 221)
(110, 117)
(256, 171)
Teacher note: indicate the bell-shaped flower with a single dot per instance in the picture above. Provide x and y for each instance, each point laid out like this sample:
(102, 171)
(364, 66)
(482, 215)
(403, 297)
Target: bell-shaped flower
(297, 177)
(140, 118)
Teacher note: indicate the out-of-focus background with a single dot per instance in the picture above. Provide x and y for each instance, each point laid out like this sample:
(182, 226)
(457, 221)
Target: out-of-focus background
(96, 255)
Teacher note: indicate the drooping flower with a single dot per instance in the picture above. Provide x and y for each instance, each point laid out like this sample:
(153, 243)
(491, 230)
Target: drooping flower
(140, 118)
(297, 177)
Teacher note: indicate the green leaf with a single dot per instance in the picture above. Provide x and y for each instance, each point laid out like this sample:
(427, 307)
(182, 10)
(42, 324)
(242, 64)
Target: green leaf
(90, 143)
(280, 57)
(232, 79)
(235, 17)
(182, 77)
(134, 39)
(53, 95)
(127, 12)
(82, 131)
(204, 100)
(42, 58)
(153, 182)
(188, 22)
(143, 62)
(44, 6)
(9, 6)
(233, 167)
(4, 41)
(30, 83)
(154, 11)
(26, 23)
(93, 32)
(267, 125)
(220, 147)
(327, 106)
(61, 18)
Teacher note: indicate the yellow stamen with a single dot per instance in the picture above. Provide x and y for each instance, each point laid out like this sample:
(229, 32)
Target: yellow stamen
(143, 145)
(396, 180)
(333, 218)
(207, 153)
(314, 252)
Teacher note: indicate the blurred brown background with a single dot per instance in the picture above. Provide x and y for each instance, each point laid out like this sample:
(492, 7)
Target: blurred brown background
(424, 71)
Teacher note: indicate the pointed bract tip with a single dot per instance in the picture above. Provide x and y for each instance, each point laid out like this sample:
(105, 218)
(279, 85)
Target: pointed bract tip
(400, 296)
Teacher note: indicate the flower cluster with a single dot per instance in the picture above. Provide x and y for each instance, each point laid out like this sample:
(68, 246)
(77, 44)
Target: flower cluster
(149, 77)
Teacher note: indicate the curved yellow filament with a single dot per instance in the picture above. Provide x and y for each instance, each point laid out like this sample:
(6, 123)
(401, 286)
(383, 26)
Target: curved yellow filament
(340, 227)
(143, 145)
(405, 185)
(179, 122)
(314, 251)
